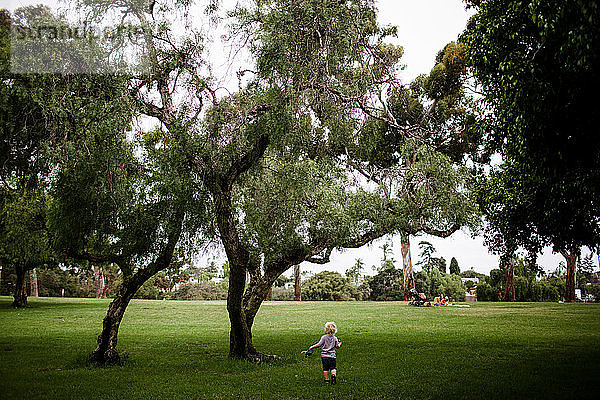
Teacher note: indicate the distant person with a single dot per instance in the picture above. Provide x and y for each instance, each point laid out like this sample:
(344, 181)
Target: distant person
(437, 300)
(328, 343)
(445, 301)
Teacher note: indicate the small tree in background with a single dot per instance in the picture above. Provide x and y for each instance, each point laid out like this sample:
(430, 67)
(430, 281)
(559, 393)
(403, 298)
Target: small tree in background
(454, 269)
(354, 272)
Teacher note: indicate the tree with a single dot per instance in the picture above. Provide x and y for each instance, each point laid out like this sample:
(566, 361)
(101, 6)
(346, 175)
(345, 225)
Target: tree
(316, 63)
(132, 199)
(414, 151)
(427, 260)
(454, 269)
(297, 283)
(387, 262)
(23, 235)
(354, 273)
(537, 63)
(24, 240)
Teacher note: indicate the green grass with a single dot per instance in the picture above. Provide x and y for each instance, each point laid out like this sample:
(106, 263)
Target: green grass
(390, 350)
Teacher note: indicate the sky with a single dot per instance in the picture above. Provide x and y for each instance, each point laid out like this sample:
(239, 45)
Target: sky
(424, 28)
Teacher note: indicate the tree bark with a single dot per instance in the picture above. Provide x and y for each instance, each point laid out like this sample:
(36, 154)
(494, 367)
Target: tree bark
(33, 283)
(100, 282)
(20, 296)
(106, 352)
(409, 275)
(258, 287)
(509, 292)
(297, 283)
(240, 336)
(269, 296)
(571, 258)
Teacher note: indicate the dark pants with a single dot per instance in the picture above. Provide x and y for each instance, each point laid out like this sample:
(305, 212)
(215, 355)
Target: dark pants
(328, 363)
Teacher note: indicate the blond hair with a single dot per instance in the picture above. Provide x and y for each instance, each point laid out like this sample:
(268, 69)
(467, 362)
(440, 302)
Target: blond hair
(330, 328)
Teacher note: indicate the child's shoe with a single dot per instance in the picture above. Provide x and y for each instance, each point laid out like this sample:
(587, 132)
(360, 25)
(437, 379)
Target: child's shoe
(326, 381)
(333, 379)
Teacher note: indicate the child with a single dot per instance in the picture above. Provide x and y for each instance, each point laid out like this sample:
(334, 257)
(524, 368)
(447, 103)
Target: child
(328, 344)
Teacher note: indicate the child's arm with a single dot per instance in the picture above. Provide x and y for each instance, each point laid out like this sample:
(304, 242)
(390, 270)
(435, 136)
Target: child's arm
(314, 346)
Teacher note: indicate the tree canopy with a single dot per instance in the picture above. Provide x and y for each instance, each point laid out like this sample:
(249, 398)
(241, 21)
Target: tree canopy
(537, 63)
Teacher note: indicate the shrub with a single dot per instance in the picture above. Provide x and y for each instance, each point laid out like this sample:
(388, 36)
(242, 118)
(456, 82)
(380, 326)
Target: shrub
(329, 285)
(594, 290)
(487, 292)
(388, 284)
(147, 291)
(201, 291)
(281, 293)
(435, 283)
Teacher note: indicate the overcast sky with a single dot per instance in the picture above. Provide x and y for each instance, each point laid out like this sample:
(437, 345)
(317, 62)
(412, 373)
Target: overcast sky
(424, 27)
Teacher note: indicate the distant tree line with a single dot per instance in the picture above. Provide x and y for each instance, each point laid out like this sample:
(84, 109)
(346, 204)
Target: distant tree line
(533, 284)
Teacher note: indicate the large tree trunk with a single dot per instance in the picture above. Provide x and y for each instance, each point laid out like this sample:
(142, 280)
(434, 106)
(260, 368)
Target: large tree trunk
(571, 258)
(409, 275)
(297, 283)
(33, 283)
(20, 296)
(256, 292)
(240, 336)
(106, 352)
(100, 282)
(509, 293)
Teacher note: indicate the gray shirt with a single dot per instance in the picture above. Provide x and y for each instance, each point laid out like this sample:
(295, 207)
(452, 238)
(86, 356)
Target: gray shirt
(328, 345)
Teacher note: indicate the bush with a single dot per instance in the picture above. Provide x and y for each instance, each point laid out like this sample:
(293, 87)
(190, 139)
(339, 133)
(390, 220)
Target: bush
(435, 283)
(453, 287)
(201, 291)
(364, 291)
(147, 291)
(388, 284)
(594, 290)
(487, 292)
(527, 289)
(329, 285)
(281, 293)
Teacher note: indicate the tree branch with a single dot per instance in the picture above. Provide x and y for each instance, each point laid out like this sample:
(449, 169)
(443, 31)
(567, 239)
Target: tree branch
(439, 233)
(320, 260)
(96, 258)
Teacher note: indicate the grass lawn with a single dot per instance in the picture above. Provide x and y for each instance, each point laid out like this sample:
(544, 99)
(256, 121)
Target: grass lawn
(390, 350)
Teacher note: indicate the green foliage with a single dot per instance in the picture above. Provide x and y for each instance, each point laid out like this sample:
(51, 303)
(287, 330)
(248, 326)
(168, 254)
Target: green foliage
(431, 192)
(427, 261)
(532, 290)
(435, 283)
(454, 269)
(388, 284)
(487, 292)
(538, 64)
(329, 285)
(281, 293)
(23, 234)
(497, 277)
(148, 291)
(594, 290)
(527, 287)
(354, 272)
(201, 291)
